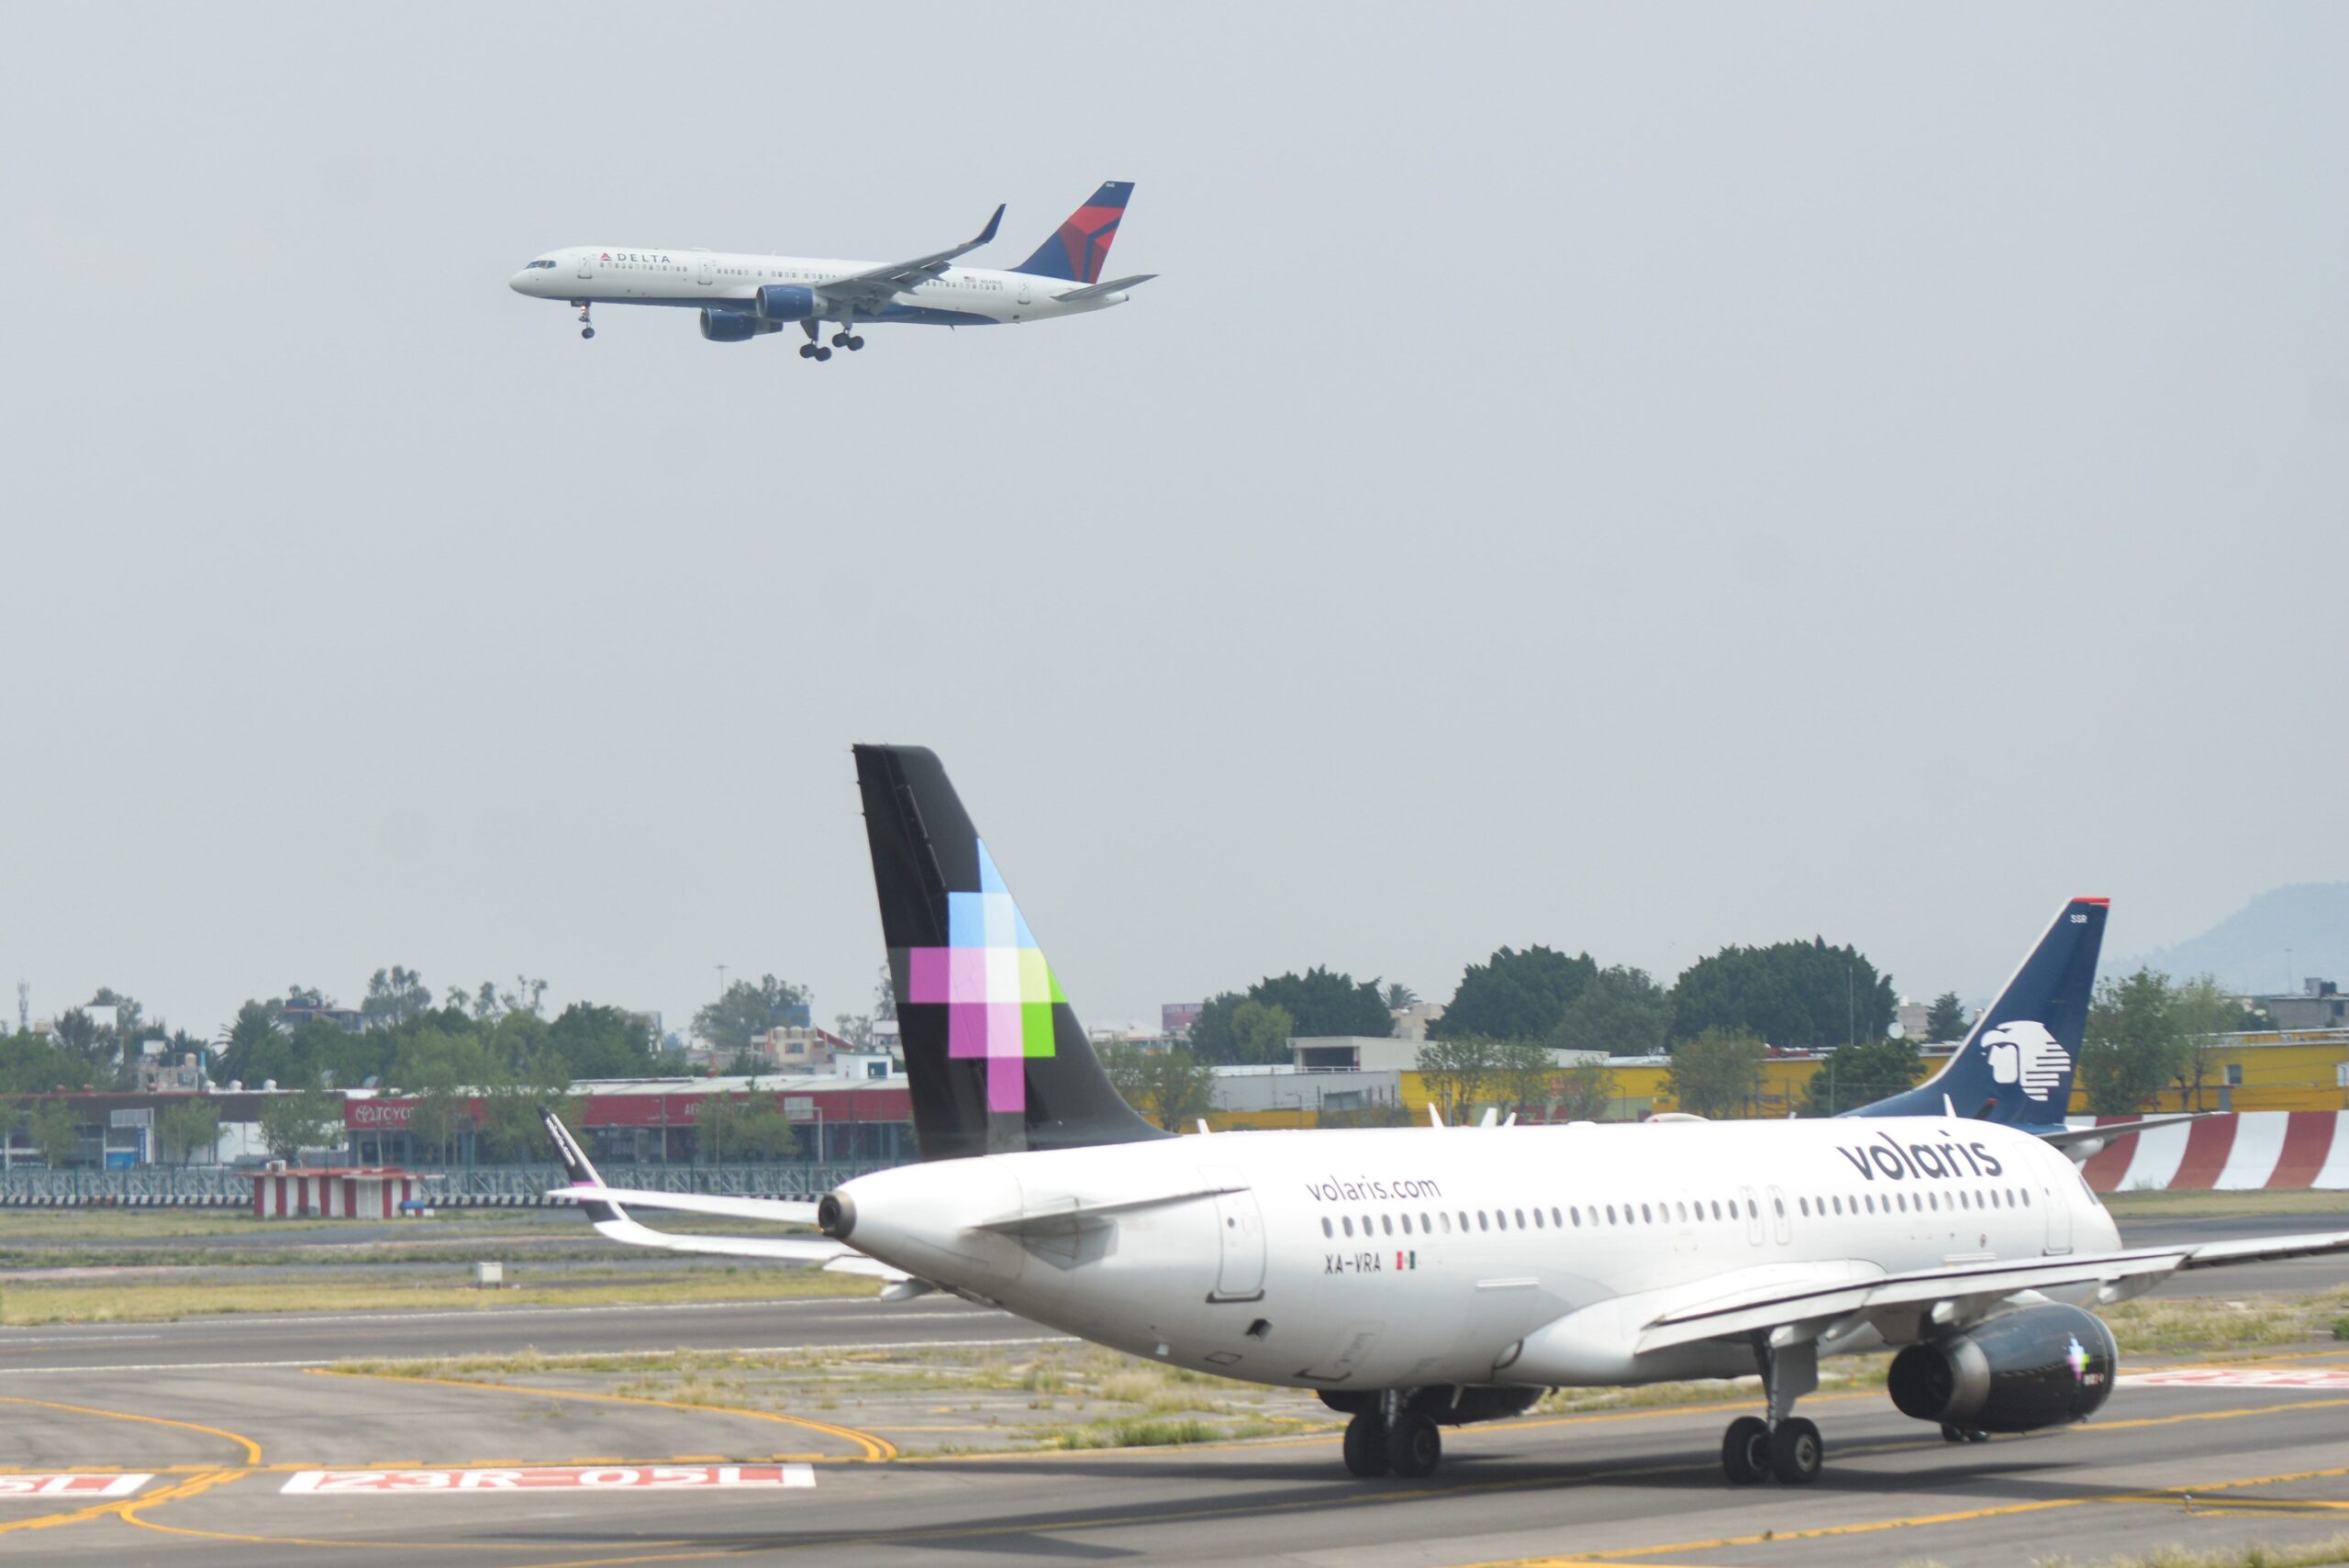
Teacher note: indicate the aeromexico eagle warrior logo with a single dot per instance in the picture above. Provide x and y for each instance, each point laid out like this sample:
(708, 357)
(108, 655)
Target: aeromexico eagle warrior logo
(992, 981)
(2024, 1052)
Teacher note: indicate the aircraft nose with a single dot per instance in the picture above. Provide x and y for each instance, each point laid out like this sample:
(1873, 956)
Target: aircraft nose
(519, 281)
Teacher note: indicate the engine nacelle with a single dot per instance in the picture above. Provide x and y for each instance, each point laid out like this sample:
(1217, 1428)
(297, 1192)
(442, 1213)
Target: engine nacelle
(728, 327)
(2037, 1367)
(784, 301)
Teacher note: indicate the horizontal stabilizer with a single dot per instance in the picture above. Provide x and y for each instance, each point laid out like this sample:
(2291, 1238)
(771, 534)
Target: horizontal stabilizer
(2070, 1137)
(775, 1211)
(1099, 291)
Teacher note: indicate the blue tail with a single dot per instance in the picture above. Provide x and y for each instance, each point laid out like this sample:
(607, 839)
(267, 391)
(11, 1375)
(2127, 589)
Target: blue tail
(1079, 246)
(2016, 1065)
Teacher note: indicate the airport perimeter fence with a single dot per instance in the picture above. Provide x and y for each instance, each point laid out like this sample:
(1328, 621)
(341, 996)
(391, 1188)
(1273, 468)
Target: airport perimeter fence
(478, 1187)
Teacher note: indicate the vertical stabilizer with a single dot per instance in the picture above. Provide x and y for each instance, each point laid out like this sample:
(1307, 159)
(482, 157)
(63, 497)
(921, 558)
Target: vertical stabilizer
(2016, 1064)
(994, 1058)
(1081, 244)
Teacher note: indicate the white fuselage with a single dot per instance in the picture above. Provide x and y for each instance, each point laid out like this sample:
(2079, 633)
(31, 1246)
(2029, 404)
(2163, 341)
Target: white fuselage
(596, 275)
(1410, 1257)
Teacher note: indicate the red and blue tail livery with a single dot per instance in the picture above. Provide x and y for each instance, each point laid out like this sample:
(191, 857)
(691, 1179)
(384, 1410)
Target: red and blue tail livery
(1077, 249)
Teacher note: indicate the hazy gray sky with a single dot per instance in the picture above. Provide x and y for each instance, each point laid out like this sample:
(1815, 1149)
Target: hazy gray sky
(1630, 479)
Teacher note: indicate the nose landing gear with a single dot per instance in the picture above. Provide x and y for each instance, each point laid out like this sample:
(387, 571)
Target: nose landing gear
(586, 326)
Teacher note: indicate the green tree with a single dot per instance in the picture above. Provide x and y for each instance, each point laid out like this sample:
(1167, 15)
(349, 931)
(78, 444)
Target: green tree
(1171, 1088)
(56, 1131)
(1945, 1020)
(716, 1116)
(393, 996)
(1620, 1011)
(1854, 1075)
(727, 1025)
(1524, 1072)
(1515, 995)
(1456, 1073)
(256, 1025)
(2136, 1044)
(1399, 997)
(601, 1042)
(1717, 1072)
(293, 1122)
(1261, 1032)
(32, 1063)
(1585, 1092)
(190, 1127)
(2204, 1015)
(762, 1129)
(1327, 1002)
(1790, 994)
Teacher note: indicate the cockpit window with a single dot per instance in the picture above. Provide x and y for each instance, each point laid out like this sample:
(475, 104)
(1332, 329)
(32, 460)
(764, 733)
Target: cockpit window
(541, 261)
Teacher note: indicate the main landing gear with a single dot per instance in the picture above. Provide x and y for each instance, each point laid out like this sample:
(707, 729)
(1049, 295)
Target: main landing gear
(1785, 1447)
(1393, 1439)
(586, 327)
(844, 339)
(1953, 1433)
(812, 349)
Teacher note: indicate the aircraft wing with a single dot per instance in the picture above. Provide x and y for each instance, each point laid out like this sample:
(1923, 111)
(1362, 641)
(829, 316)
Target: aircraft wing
(1814, 1298)
(778, 1211)
(2072, 1137)
(876, 286)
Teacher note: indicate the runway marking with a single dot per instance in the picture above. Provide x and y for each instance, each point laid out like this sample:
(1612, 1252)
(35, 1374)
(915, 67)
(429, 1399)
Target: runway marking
(2239, 1377)
(252, 1449)
(331, 1363)
(609, 1478)
(121, 1507)
(79, 1483)
(875, 1448)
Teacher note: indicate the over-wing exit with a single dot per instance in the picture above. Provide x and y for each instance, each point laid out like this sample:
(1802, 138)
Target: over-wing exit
(741, 296)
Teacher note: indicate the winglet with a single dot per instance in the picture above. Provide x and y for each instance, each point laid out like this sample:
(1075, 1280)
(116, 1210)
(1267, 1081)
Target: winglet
(580, 1169)
(988, 233)
(1435, 1117)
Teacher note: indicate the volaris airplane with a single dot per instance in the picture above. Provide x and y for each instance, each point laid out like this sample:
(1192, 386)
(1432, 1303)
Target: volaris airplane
(743, 297)
(1423, 1277)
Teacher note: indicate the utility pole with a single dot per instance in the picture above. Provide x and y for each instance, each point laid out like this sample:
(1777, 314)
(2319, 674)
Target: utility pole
(24, 1005)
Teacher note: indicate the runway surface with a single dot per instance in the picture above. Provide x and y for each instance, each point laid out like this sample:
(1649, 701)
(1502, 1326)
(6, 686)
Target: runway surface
(252, 1453)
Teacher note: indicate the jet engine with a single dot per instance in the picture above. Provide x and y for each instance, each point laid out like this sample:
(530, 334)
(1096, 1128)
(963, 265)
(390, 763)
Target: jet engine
(730, 327)
(2037, 1367)
(785, 302)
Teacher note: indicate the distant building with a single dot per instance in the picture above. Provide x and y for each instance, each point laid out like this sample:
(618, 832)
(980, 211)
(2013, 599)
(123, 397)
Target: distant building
(2319, 1005)
(1175, 1018)
(1910, 1020)
(1367, 1053)
(1411, 1022)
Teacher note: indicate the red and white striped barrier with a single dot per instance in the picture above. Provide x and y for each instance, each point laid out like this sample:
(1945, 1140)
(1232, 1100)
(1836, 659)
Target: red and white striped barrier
(331, 1194)
(2236, 1152)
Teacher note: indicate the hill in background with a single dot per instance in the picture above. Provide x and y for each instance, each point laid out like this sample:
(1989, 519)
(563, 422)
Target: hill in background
(2246, 950)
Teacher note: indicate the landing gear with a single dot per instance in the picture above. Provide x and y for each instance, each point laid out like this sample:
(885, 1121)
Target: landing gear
(1786, 1446)
(586, 327)
(1414, 1447)
(1745, 1450)
(1953, 1433)
(1365, 1445)
(812, 349)
(844, 339)
(1795, 1452)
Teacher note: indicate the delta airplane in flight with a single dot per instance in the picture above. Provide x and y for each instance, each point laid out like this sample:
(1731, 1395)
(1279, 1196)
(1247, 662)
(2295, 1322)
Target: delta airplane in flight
(1423, 1277)
(744, 297)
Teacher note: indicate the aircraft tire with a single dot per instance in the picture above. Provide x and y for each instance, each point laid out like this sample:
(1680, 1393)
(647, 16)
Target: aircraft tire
(823, 353)
(856, 342)
(1745, 1450)
(1365, 1445)
(1414, 1447)
(1795, 1452)
(587, 331)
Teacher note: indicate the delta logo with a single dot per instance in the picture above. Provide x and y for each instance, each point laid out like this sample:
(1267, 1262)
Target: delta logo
(645, 257)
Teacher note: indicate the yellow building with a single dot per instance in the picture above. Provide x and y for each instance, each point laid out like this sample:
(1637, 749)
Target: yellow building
(2303, 1071)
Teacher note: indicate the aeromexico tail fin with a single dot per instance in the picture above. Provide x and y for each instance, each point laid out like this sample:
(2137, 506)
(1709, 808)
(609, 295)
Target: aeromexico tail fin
(1079, 246)
(2016, 1064)
(994, 1058)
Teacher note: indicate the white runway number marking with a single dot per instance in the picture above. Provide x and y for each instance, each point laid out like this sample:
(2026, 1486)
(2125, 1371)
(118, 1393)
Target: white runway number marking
(71, 1486)
(2240, 1377)
(581, 1478)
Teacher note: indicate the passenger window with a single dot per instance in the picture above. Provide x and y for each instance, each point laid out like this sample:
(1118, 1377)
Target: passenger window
(1480, 1221)
(1838, 1205)
(1646, 1218)
(1326, 1230)
(1753, 1209)
(1387, 1223)
(1556, 1223)
(1349, 1223)
(1871, 1203)
(1520, 1217)
(1406, 1225)
(1537, 1219)
(1447, 1225)
(1778, 1204)
(1610, 1214)
(2026, 1197)
(1804, 1205)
